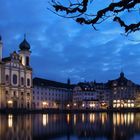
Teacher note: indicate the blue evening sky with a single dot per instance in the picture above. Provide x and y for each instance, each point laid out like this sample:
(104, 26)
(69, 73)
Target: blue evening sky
(62, 48)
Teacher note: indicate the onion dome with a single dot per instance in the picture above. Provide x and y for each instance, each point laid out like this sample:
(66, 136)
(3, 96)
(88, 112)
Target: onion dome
(24, 45)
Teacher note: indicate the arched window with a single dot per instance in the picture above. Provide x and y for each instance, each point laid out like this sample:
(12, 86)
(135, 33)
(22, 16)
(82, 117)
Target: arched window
(28, 82)
(27, 61)
(15, 79)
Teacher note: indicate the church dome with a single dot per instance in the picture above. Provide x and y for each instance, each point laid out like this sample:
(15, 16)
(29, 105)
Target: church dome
(24, 45)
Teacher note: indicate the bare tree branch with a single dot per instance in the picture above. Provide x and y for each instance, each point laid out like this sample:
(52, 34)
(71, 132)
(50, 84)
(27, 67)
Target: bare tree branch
(78, 11)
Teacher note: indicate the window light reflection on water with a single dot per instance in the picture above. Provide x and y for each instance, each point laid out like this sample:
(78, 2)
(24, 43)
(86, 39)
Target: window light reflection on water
(98, 126)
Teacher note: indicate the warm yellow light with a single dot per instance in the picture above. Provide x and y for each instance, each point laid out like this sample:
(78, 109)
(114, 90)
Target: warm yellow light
(74, 104)
(45, 119)
(118, 105)
(44, 103)
(83, 118)
(10, 102)
(92, 105)
(68, 105)
(129, 101)
(132, 104)
(74, 119)
(125, 104)
(10, 121)
(92, 118)
(114, 105)
(118, 101)
(114, 101)
(68, 118)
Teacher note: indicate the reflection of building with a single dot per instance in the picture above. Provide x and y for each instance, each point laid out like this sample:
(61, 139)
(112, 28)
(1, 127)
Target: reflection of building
(16, 127)
(90, 95)
(123, 92)
(16, 78)
(51, 94)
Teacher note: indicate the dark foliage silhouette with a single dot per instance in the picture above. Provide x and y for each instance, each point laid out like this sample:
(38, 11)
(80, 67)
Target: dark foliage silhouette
(79, 10)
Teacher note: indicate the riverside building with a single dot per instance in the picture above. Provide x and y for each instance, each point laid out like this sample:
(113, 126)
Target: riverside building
(90, 95)
(16, 78)
(49, 94)
(124, 93)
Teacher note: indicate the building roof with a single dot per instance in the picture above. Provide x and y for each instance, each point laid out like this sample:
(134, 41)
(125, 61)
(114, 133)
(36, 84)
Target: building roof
(49, 83)
(6, 59)
(24, 45)
(121, 81)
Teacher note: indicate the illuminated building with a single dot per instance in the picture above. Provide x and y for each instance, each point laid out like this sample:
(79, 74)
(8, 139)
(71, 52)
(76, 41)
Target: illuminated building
(16, 78)
(90, 95)
(49, 94)
(124, 92)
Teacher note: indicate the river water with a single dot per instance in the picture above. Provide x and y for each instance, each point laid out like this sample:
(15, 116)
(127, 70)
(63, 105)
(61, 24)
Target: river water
(89, 126)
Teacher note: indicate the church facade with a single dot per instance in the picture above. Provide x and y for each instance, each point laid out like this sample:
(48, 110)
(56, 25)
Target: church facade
(16, 78)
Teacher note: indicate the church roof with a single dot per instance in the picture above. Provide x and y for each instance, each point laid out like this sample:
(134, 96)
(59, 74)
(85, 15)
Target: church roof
(24, 45)
(121, 81)
(49, 83)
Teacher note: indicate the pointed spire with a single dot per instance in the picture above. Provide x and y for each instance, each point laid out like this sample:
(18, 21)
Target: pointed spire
(24, 36)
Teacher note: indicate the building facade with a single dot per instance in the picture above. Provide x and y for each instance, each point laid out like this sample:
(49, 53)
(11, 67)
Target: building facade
(49, 94)
(90, 95)
(16, 78)
(124, 93)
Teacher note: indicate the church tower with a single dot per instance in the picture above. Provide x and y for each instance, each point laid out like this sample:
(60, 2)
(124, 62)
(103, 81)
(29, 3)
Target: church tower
(1, 46)
(25, 52)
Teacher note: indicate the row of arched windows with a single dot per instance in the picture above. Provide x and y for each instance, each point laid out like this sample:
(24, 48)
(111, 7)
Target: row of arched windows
(15, 80)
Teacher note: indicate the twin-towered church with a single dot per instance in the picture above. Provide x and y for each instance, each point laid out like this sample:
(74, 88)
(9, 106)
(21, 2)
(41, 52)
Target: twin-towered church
(16, 78)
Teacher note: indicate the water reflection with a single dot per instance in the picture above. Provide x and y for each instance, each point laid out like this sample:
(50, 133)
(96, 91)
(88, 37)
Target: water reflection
(10, 121)
(115, 126)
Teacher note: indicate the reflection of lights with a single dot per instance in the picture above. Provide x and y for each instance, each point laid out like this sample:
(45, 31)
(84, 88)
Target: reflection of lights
(68, 118)
(121, 119)
(45, 119)
(74, 119)
(92, 118)
(83, 118)
(132, 117)
(118, 119)
(10, 120)
(103, 117)
(74, 104)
